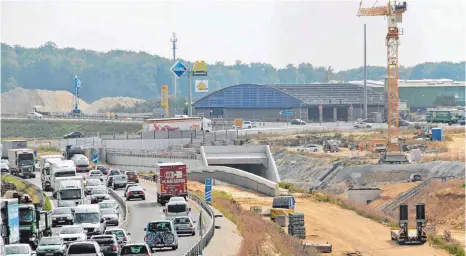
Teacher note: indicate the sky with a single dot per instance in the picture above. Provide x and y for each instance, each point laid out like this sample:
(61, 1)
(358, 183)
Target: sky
(323, 33)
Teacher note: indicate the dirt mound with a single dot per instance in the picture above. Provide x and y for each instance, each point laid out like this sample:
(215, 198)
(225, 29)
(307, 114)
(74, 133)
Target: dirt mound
(21, 101)
(104, 104)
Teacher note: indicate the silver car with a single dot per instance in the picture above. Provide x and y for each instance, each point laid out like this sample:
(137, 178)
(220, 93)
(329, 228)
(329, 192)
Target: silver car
(119, 181)
(111, 216)
(99, 194)
(91, 184)
(184, 225)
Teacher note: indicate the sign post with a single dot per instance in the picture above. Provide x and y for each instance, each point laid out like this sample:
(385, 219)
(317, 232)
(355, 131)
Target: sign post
(164, 99)
(208, 190)
(320, 114)
(287, 113)
(95, 158)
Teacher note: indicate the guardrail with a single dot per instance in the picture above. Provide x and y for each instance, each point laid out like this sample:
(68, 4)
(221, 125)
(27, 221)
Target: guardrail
(125, 209)
(197, 249)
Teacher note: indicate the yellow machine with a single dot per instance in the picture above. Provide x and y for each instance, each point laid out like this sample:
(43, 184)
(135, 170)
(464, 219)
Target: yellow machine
(282, 205)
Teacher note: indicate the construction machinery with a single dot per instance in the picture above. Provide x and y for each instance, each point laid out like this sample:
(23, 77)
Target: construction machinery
(409, 235)
(282, 205)
(393, 11)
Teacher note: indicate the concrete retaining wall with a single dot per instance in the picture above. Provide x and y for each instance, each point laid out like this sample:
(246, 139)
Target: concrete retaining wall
(362, 196)
(145, 144)
(148, 162)
(235, 177)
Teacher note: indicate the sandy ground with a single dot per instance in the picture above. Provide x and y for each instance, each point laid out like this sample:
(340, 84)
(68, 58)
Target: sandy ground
(344, 229)
(390, 192)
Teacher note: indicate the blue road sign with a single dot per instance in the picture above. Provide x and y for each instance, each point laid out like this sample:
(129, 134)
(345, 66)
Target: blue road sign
(208, 190)
(178, 69)
(35, 153)
(95, 158)
(287, 112)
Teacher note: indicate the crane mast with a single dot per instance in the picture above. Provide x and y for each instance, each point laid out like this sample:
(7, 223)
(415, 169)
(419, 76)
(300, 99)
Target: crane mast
(393, 12)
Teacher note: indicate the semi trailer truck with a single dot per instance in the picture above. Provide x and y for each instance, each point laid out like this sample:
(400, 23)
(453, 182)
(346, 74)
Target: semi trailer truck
(172, 180)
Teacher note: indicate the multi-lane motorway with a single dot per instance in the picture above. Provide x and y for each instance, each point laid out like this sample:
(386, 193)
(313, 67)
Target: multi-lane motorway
(141, 212)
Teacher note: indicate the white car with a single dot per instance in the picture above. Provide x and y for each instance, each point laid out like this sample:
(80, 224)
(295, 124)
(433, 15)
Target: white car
(310, 148)
(95, 174)
(18, 250)
(177, 199)
(34, 115)
(246, 125)
(4, 167)
(72, 233)
(362, 125)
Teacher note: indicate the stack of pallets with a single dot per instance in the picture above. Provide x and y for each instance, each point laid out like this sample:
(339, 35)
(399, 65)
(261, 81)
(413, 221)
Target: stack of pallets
(296, 225)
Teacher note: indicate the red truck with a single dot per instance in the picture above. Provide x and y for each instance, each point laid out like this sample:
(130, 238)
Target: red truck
(172, 180)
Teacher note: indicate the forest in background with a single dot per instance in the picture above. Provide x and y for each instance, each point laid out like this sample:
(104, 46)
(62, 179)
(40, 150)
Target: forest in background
(140, 75)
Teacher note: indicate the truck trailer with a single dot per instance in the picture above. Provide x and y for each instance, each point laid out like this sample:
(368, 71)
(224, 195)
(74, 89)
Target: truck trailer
(10, 221)
(410, 235)
(33, 224)
(45, 163)
(22, 162)
(172, 180)
(12, 144)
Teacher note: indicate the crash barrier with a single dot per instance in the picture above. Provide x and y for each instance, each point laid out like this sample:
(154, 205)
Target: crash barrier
(197, 249)
(124, 208)
(151, 154)
(28, 184)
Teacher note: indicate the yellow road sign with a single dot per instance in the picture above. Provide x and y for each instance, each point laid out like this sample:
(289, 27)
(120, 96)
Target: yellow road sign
(200, 68)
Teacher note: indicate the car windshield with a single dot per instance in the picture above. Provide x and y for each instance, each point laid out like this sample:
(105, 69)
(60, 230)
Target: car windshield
(50, 241)
(66, 203)
(108, 211)
(176, 208)
(82, 248)
(130, 172)
(70, 193)
(159, 226)
(120, 177)
(117, 232)
(135, 188)
(104, 240)
(99, 191)
(86, 217)
(106, 205)
(71, 230)
(96, 172)
(182, 221)
(62, 210)
(115, 172)
(65, 174)
(134, 249)
(93, 182)
(16, 249)
(25, 215)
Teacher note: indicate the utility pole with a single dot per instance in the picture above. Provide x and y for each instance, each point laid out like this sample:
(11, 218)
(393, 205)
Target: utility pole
(190, 94)
(174, 40)
(365, 75)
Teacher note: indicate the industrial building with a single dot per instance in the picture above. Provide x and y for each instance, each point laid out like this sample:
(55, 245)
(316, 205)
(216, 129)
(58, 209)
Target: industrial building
(342, 102)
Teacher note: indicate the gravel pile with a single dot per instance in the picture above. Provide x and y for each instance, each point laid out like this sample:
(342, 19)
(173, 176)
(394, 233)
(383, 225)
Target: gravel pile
(104, 104)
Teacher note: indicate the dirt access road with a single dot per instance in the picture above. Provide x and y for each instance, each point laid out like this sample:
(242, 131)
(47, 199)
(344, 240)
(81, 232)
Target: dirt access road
(344, 229)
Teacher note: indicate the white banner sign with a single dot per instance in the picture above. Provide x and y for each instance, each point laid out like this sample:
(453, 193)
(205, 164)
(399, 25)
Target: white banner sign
(202, 86)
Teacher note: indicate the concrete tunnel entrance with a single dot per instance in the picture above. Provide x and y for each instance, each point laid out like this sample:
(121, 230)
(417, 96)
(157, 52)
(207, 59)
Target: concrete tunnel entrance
(256, 169)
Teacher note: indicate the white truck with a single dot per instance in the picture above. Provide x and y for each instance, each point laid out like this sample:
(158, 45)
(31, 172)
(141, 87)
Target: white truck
(81, 162)
(178, 124)
(71, 190)
(12, 144)
(21, 162)
(62, 170)
(44, 165)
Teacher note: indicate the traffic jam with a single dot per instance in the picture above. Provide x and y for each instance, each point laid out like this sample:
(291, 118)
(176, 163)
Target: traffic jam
(86, 219)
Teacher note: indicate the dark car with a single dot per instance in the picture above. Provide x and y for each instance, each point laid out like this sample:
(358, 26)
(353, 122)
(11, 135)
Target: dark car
(136, 249)
(114, 172)
(102, 169)
(109, 181)
(461, 120)
(73, 135)
(298, 121)
(62, 216)
(132, 176)
(108, 244)
(135, 192)
(52, 245)
(119, 181)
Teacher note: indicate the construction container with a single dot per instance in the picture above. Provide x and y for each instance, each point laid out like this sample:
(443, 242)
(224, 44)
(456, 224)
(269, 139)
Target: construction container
(437, 133)
(281, 220)
(296, 225)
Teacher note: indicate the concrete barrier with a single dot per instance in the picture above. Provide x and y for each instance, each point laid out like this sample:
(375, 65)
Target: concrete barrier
(235, 177)
(124, 209)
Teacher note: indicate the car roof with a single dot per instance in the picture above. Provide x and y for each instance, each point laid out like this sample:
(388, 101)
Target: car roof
(135, 188)
(182, 217)
(71, 226)
(108, 201)
(136, 244)
(103, 236)
(159, 221)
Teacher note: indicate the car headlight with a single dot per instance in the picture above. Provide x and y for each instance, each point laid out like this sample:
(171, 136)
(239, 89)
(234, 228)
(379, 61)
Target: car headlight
(68, 218)
(54, 218)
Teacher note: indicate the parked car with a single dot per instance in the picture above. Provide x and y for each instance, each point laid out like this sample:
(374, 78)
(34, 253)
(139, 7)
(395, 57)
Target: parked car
(161, 234)
(135, 192)
(62, 216)
(130, 184)
(89, 248)
(108, 244)
(461, 120)
(119, 181)
(132, 176)
(362, 125)
(120, 234)
(136, 249)
(298, 122)
(35, 115)
(74, 135)
(111, 215)
(18, 250)
(51, 245)
(184, 225)
(310, 148)
(99, 194)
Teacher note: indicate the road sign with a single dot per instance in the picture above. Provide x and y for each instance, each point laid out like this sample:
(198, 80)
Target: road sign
(208, 190)
(320, 107)
(95, 158)
(201, 85)
(287, 112)
(35, 153)
(200, 68)
(178, 69)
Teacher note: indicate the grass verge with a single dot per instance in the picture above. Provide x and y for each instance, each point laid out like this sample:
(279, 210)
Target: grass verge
(27, 189)
(445, 243)
(260, 237)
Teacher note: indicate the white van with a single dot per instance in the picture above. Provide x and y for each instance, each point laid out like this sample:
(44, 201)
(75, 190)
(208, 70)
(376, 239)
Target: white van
(71, 190)
(176, 209)
(90, 218)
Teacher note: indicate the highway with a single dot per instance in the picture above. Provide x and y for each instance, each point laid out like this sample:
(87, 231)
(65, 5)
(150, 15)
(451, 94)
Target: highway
(141, 212)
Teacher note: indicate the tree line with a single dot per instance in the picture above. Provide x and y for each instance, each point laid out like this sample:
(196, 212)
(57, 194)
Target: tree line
(140, 75)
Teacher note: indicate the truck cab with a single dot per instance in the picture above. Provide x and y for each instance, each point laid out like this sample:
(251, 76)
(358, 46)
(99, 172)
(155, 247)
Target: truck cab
(33, 224)
(45, 176)
(71, 190)
(22, 162)
(282, 205)
(91, 219)
(62, 170)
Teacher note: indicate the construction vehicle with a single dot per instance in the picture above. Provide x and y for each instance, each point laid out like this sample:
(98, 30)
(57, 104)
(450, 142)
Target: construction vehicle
(409, 235)
(377, 145)
(33, 223)
(282, 205)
